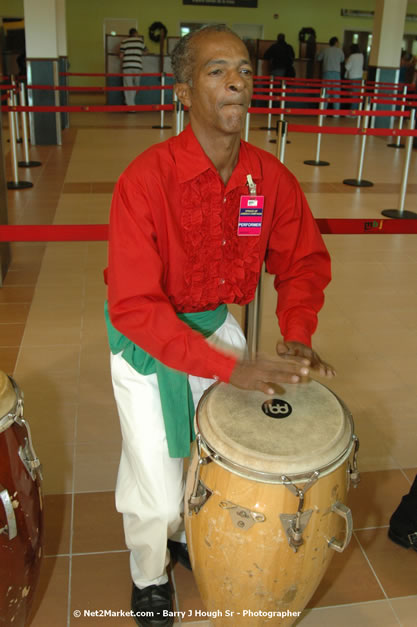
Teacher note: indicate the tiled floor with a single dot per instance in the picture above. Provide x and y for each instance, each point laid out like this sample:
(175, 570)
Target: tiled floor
(52, 340)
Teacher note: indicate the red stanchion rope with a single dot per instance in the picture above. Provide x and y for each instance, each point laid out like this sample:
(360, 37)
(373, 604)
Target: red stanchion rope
(332, 112)
(317, 99)
(112, 74)
(349, 130)
(100, 232)
(98, 88)
(90, 108)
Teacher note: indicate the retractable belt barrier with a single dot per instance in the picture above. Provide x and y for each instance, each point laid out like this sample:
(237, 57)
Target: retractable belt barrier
(100, 232)
(283, 97)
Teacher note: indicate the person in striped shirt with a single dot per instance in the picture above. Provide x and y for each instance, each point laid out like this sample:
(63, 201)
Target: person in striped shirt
(131, 50)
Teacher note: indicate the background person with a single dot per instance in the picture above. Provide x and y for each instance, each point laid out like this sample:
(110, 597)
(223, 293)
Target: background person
(280, 57)
(354, 70)
(354, 63)
(332, 57)
(176, 257)
(407, 67)
(131, 50)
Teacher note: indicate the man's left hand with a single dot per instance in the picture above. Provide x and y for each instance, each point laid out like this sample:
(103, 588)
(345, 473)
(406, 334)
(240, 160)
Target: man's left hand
(296, 351)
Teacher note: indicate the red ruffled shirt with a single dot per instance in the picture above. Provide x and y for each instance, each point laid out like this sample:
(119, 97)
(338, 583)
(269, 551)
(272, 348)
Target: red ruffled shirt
(174, 248)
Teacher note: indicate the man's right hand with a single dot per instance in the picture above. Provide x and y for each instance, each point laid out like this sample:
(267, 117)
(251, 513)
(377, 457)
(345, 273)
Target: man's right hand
(258, 374)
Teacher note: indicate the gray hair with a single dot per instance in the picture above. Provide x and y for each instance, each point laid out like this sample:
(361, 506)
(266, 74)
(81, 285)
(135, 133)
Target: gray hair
(182, 56)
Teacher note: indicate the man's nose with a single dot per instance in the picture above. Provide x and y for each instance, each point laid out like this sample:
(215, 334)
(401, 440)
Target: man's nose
(235, 81)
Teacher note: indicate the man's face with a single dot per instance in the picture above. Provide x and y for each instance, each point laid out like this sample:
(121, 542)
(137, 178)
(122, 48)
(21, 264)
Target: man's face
(221, 88)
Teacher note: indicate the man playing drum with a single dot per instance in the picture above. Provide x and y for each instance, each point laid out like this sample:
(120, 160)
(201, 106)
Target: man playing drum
(192, 221)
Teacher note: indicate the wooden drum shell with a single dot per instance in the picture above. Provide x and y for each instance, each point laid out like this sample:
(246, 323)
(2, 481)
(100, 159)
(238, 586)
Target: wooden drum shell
(20, 556)
(256, 569)
(265, 499)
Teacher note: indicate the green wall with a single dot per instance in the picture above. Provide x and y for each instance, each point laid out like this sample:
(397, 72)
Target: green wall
(85, 21)
(11, 8)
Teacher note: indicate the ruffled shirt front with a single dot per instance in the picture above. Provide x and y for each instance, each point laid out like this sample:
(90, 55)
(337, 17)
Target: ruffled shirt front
(174, 248)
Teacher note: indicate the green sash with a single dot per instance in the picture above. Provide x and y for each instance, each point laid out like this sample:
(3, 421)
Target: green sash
(174, 388)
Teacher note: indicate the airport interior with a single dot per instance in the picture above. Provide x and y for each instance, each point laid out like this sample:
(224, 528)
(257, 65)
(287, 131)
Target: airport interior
(53, 340)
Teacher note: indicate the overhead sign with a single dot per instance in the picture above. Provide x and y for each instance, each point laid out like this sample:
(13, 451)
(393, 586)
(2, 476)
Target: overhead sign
(251, 4)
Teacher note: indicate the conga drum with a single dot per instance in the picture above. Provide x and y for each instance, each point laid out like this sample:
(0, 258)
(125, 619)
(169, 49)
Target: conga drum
(265, 499)
(20, 509)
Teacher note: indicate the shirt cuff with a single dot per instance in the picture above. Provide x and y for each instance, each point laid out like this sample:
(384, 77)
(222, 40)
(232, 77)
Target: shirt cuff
(222, 367)
(298, 335)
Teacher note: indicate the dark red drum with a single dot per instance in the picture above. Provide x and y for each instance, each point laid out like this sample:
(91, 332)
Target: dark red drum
(20, 509)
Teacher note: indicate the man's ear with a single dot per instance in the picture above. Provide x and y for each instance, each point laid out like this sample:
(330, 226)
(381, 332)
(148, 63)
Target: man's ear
(183, 92)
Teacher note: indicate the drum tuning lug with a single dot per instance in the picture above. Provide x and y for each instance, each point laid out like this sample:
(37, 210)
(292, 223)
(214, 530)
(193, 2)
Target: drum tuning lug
(298, 491)
(354, 475)
(28, 456)
(294, 525)
(198, 498)
(200, 493)
(11, 528)
(241, 517)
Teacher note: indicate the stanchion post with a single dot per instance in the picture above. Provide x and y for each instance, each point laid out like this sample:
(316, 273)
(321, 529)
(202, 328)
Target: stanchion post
(271, 94)
(283, 140)
(181, 118)
(58, 125)
(15, 184)
(252, 320)
(400, 213)
(162, 98)
(397, 143)
(282, 102)
(14, 102)
(247, 125)
(281, 130)
(317, 160)
(268, 126)
(162, 101)
(374, 106)
(175, 102)
(363, 98)
(359, 182)
(27, 163)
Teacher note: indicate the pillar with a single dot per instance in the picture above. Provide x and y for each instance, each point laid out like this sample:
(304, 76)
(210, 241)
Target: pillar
(63, 63)
(4, 246)
(42, 68)
(387, 37)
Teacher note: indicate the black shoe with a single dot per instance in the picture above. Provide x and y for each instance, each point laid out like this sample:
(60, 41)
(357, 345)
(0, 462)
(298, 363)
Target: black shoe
(403, 522)
(407, 540)
(152, 606)
(179, 553)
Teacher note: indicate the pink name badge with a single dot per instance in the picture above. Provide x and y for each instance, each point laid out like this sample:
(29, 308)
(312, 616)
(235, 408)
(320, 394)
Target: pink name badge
(250, 215)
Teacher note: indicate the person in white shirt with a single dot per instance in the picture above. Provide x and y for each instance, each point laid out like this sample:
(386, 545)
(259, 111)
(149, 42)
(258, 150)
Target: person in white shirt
(354, 70)
(332, 58)
(354, 63)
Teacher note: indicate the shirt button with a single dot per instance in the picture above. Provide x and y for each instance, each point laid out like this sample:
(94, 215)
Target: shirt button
(224, 199)
(224, 242)
(221, 281)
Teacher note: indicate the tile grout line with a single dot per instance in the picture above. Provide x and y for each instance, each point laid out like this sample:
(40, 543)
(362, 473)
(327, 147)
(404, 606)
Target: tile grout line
(75, 441)
(66, 164)
(377, 578)
(87, 553)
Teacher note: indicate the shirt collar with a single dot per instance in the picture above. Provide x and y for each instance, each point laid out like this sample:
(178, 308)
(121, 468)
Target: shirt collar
(192, 161)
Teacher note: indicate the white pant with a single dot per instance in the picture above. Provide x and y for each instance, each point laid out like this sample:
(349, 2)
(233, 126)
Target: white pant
(150, 484)
(130, 81)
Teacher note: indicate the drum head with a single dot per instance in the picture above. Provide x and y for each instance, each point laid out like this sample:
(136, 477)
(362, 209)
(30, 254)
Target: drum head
(7, 395)
(300, 429)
